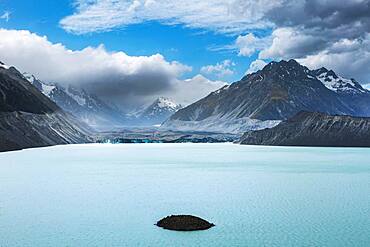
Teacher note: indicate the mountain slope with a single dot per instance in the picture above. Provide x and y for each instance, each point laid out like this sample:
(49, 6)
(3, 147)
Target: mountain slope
(277, 92)
(314, 129)
(156, 113)
(86, 107)
(30, 119)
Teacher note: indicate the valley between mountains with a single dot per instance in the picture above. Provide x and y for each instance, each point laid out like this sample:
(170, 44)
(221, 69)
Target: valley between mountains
(285, 103)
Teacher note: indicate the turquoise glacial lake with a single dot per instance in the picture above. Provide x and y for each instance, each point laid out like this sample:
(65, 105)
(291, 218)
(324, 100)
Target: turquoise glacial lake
(112, 195)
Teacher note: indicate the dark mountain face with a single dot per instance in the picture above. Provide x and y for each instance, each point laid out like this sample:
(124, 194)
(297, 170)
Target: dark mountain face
(314, 129)
(30, 119)
(277, 92)
(16, 94)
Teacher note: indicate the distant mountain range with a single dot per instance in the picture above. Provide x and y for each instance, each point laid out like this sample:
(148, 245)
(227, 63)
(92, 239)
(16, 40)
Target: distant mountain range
(86, 107)
(265, 98)
(314, 129)
(93, 111)
(30, 119)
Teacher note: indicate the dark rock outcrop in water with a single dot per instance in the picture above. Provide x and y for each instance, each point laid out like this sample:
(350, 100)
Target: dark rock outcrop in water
(29, 119)
(277, 92)
(314, 129)
(184, 223)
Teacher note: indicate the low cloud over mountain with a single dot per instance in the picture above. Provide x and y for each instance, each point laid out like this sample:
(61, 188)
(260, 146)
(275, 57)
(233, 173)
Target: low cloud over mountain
(127, 81)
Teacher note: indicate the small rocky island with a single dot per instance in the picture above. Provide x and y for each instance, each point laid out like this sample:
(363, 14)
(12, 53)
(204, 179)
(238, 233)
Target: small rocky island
(184, 223)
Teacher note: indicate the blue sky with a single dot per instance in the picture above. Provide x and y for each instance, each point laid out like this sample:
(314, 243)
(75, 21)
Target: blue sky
(190, 46)
(180, 49)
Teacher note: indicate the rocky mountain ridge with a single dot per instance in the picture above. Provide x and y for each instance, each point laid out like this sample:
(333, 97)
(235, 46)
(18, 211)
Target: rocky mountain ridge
(86, 107)
(277, 92)
(314, 129)
(30, 119)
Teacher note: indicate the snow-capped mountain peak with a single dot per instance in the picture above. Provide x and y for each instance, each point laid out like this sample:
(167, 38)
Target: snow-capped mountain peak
(337, 83)
(156, 113)
(163, 102)
(161, 108)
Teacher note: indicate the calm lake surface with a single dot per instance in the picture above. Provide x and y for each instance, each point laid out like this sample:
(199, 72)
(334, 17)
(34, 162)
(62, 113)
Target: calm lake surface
(111, 195)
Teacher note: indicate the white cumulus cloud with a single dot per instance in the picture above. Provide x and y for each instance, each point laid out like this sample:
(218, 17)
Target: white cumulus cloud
(249, 44)
(199, 85)
(291, 43)
(219, 70)
(255, 66)
(123, 79)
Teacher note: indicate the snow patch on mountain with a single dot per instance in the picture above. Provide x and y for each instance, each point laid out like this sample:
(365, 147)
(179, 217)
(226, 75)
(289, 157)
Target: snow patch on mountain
(160, 105)
(4, 66)
(29, 77)
(166, 103)
(47, 89)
